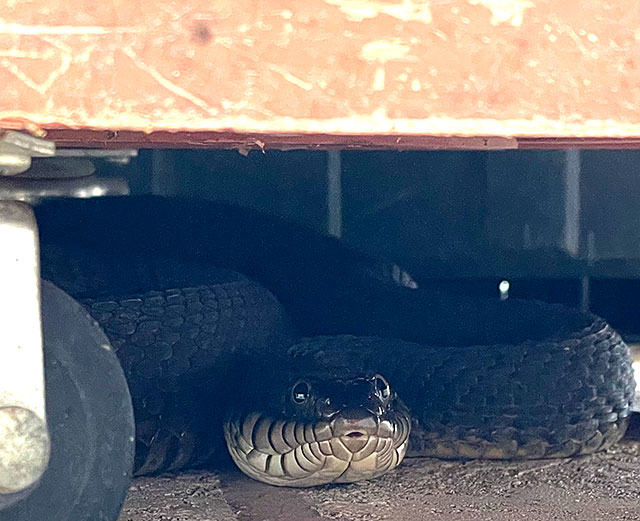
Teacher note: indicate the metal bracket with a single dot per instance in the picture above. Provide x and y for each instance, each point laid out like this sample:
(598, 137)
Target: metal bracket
(118, 156)
(24, 438)
(33, 190)
(16, 152)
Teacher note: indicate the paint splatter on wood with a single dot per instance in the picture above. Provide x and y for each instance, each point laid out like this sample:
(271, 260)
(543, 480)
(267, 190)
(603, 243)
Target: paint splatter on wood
(405, 67)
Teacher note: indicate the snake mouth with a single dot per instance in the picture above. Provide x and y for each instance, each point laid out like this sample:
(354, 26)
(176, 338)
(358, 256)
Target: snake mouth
(355, 441)
(301, 454)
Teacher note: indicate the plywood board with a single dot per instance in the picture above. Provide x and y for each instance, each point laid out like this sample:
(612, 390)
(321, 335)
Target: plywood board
(410, 68)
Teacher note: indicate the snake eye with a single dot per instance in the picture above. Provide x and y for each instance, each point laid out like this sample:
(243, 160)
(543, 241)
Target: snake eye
(382, 387)
(300, 392)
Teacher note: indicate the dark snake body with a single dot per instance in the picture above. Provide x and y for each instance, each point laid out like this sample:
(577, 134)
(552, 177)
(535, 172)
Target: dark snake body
(510, 379)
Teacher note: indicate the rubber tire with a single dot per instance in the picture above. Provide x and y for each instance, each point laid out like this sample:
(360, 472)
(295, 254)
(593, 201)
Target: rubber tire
(90, 419)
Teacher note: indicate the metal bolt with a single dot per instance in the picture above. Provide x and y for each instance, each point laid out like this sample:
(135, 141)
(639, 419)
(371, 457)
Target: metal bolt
(17, 149)
(12, 162)
(24, 448)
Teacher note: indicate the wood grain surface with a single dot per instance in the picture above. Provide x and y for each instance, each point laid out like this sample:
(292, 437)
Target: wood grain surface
(419, 70)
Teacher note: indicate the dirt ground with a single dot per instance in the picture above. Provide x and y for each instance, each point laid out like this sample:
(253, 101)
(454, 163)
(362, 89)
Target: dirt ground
(602, 486)
(591, 488)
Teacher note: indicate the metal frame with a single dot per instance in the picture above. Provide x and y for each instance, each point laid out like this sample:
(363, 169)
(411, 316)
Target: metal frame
(24, 438)
(25, 444)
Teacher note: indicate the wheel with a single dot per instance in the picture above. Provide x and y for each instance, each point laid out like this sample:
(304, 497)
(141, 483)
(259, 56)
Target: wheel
(90, 420)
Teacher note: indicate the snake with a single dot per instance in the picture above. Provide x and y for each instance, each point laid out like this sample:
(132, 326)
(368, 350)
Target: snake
(306, 362)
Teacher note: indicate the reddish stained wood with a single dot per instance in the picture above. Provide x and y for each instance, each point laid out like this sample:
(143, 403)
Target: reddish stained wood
(222, 72)
(182, 139)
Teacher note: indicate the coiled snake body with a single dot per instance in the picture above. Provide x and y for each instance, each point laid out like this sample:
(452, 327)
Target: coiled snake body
(204, 347)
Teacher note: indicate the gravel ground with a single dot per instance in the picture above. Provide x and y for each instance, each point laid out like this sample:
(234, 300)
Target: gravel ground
(601, 486)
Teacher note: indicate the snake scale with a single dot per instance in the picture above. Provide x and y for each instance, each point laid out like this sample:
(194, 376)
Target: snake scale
(321, 364)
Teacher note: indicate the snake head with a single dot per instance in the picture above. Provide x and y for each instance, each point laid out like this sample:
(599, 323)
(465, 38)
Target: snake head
(325, 430)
